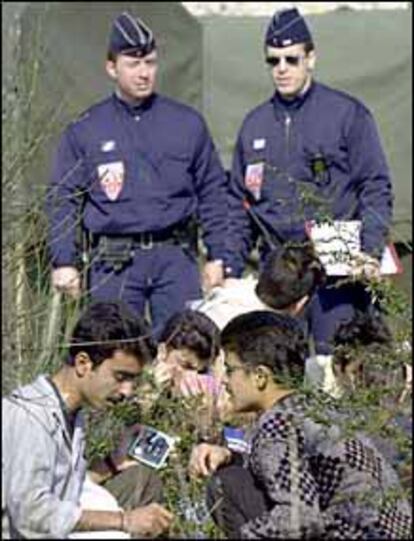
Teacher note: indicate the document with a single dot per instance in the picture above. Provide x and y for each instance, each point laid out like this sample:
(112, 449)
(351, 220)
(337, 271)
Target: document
(338, 243)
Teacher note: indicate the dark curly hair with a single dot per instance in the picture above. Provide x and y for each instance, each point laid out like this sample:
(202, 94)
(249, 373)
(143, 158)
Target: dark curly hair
(105, 327)
(366, 329)
(271, 339)
(363, 329)
(288, 274)
(192, 330)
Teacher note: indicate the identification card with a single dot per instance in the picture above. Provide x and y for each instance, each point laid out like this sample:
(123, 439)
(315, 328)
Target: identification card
(111, 178)
(152, 447)
(254, 179)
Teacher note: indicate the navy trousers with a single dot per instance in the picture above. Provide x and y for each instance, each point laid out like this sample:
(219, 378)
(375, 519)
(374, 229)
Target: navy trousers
(163, 277)
(332, 305)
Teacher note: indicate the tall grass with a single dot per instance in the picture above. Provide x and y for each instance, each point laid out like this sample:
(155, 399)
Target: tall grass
(28, 125)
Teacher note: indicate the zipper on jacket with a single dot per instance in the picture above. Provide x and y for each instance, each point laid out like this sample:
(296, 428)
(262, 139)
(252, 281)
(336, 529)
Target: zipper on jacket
(288, 121)
(290, 208)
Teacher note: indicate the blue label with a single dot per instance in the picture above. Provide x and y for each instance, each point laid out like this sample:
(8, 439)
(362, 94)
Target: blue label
(233, 433)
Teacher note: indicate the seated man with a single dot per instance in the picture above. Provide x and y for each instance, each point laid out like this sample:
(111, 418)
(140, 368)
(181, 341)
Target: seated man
(367, 359)
(287, 283)
(304, 476)
(43, 436)
(188, 348)
(189, 364)
(289, 278)
(355, 361)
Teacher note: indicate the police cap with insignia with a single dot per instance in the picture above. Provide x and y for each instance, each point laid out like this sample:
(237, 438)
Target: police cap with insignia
(287, 27)
(130, 36)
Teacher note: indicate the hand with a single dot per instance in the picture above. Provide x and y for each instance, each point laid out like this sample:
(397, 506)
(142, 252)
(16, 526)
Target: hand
(188, 384)
(150, 520)
(191, 383)
(206, 458)
(163, 374)
(366, 266)
(67, 280)
(213, 275)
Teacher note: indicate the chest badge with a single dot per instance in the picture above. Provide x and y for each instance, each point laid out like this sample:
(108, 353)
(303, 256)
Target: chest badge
(108, 146)
(259, 144)
(254, 179)
(111, 178)
(320, 169)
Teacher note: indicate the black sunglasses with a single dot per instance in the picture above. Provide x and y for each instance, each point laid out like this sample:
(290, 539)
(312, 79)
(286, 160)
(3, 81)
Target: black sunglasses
(291, 60)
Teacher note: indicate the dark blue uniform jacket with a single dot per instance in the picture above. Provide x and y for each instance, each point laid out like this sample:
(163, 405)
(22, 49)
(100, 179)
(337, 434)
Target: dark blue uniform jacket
(164, 169)
(350, 181)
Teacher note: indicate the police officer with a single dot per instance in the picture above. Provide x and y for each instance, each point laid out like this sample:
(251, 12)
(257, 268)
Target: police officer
(137, 169)
(308, 152)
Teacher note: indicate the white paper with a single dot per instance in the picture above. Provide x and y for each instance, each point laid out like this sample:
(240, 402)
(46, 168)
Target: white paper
(338, 243)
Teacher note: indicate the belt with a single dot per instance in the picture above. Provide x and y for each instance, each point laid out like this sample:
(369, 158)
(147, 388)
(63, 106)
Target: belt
(148, 240)
(144, 241)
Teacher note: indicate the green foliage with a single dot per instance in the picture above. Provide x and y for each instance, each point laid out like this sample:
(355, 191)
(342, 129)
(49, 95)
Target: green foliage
(391, 299)
(177, 417)
(27, 299)
(36, 323)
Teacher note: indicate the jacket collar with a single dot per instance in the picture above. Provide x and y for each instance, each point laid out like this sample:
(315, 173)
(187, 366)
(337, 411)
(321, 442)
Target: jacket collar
(134, 109)
(44, 393)
(282, 104)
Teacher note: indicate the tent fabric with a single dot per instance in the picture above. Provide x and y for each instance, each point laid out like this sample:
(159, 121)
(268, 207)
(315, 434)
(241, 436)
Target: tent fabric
(216, 65)
(367, 54)
(75, 39)
(67, 42)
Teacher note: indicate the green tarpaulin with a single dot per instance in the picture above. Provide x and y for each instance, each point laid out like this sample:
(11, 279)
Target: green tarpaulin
(214, 64)
(218, 67)
(368, 54)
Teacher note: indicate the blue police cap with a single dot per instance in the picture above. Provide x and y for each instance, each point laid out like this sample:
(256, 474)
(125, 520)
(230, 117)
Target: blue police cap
(287, 27)
(130, 36)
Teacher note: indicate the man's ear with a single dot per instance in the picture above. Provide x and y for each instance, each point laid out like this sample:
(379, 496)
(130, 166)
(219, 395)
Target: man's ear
(82, 364)
(311, 60)
(262, 376)
(111, 69)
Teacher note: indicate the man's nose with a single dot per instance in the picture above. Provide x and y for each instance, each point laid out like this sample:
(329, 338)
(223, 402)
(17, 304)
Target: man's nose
(144, 72)
(282, 66)
(127, 388)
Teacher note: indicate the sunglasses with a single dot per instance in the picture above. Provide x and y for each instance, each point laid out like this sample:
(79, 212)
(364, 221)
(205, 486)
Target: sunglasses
(291, 60)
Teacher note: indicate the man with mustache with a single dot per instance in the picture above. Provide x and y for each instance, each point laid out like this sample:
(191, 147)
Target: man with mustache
(43, 437)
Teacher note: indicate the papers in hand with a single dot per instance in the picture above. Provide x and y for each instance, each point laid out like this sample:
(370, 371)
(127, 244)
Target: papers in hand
(338, 244)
